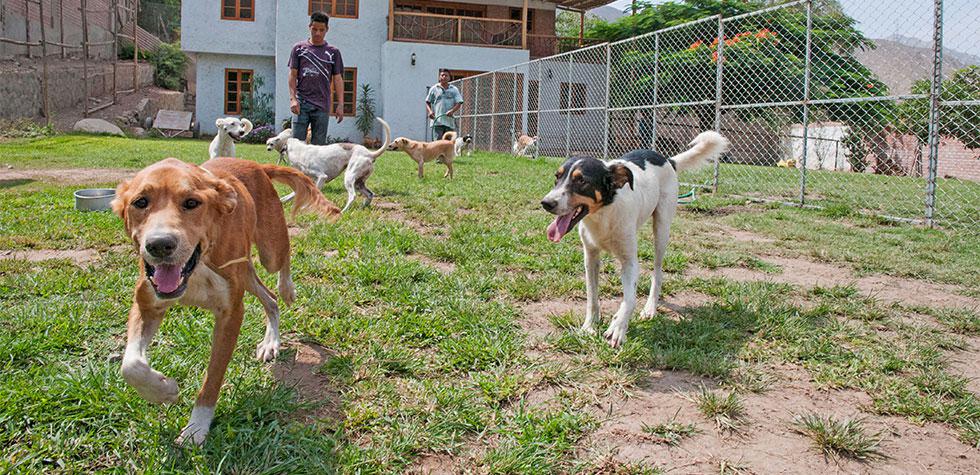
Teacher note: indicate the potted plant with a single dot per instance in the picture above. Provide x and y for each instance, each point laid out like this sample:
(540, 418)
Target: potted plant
(366, 115)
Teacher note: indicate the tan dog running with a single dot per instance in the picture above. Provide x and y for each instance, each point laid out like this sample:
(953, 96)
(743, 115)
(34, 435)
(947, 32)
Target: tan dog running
(194, 227)
(442, 150)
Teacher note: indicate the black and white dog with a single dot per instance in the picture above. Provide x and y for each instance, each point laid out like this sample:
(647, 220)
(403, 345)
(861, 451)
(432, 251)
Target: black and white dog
(613, 200)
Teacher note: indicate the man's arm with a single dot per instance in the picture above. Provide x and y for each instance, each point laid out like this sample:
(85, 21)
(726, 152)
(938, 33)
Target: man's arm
(429, 97)
(293, 101)
(338, 87)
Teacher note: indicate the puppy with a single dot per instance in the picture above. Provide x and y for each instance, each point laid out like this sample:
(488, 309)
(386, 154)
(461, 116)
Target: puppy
(612, 200)
(460, 143)
(194, 227)
(525, 146)
(230, 130)
(323, 163)
(442, 150)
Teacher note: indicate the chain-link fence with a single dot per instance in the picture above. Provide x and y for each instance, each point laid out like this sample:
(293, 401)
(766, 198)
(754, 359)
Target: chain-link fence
(813, 116)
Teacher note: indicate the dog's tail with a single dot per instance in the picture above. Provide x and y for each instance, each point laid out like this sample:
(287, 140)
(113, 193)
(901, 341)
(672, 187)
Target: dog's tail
(384, 146)
(450, 136)
(307, 196)
(706, 147)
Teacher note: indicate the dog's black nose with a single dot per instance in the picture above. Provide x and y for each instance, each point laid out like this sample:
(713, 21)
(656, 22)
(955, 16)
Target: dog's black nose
(161, 245)
(548, 205)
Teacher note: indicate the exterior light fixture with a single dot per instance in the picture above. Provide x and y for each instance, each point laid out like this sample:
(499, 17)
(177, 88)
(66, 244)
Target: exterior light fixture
(413, 59)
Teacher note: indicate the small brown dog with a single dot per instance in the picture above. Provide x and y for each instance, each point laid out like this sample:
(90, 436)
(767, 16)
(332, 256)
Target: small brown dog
(194, 227)
(443, 151)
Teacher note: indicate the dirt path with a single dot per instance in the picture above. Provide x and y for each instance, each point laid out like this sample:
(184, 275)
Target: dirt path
(67, 176)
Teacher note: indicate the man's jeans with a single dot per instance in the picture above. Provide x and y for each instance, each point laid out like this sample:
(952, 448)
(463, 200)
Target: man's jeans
(310, 115)
(439, 130)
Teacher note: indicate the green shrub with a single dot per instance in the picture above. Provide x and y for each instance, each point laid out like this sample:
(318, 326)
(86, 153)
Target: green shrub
(168, 66)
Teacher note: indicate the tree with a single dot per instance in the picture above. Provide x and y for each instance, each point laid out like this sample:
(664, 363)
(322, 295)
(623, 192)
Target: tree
(567, 24)
(763, 62)
(959, 122)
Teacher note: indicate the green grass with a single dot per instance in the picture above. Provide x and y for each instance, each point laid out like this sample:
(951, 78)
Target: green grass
(839, 438)
(428, 361)
(671, 432)
(727, 412)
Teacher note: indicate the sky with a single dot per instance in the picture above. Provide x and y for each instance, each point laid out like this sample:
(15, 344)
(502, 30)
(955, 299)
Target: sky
(912, 18)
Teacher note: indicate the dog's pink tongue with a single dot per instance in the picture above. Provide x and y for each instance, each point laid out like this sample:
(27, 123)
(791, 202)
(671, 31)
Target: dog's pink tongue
(167, 278)
(559, 227)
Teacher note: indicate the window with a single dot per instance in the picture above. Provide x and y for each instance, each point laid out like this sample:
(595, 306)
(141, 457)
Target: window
(335, 8)
(237, 83)
(242, 10)
(577, 99)
(350, 92)
(457, 74)
(515, 14)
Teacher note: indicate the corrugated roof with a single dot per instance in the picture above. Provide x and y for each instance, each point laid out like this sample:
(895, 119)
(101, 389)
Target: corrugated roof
(581, 4)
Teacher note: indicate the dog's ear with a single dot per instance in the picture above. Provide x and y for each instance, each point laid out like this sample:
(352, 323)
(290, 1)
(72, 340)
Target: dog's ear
(222, 195)
(121, 201)
(219, 122)
(620, 175)
(248, 126)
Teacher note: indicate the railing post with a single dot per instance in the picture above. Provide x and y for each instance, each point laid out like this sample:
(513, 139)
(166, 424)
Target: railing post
(605, 141)
(719, 70)
(806, 100)
(568, 105)
(513, 119)
(935, 91)
(476, 105)
(391, 19)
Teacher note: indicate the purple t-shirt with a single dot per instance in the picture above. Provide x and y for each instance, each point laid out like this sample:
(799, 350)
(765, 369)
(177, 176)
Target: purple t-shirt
(316, 65)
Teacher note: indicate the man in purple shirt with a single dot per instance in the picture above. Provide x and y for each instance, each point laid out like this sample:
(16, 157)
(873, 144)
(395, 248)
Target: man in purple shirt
(313, 67)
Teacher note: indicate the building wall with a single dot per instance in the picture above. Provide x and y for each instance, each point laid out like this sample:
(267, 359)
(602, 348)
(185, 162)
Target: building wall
(211, 87)
(407, 85)
(203, 30)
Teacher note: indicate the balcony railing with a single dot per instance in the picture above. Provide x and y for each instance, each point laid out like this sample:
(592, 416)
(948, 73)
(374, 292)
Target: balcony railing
(432, 28)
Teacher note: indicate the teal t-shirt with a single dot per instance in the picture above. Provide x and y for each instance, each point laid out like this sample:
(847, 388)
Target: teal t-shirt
(442, 101)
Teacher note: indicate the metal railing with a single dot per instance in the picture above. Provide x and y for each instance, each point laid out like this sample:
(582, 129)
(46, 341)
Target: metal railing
(809, 122)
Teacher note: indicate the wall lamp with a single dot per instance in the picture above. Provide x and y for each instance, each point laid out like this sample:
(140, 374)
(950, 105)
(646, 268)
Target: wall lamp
(413, 59)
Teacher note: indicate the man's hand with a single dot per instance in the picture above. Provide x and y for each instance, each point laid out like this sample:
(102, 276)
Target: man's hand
(294, 106)
(338, 113)
(432, 115)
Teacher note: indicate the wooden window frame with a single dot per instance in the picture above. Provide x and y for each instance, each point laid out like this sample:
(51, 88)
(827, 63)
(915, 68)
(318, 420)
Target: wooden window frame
(239, 83)
(353, 93)
(424, 5)
(568, 97)
(238, 10)
(457, 74)
(332, 11)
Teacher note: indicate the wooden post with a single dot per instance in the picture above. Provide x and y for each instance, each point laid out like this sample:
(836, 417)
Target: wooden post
(44, 68)
(634, 8)
(524, 26)
(27, 26)
(136, 48)
(459, 30)
(391, 20)
(85, 56)
(61, 26)
(114, 28)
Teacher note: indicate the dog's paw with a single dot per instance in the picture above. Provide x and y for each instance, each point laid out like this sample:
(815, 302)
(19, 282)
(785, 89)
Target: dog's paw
(267, 351)
(649, 311)
(587, 329)
(615, 334)
(162, 390)
(197, 428)
(287, 293)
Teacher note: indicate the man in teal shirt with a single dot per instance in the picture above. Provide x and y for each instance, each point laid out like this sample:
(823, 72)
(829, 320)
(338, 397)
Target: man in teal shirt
(442, 103)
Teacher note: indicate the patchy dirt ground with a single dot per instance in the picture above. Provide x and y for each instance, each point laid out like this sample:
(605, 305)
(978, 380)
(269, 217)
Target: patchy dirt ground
(302, 371)
(68, 176)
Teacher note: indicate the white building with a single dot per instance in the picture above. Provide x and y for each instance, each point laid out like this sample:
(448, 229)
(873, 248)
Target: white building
(396, 46)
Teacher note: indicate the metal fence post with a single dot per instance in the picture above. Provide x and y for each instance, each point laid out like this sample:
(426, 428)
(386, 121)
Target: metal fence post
(513, 118)
(605, 141)
(719, 70)
(476, 106)
(656, 85)
(934, 93)
(806, 100)
(568, 105)
(493, 107)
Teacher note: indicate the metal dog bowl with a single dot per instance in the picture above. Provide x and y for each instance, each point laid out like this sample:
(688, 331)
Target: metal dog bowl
(94, 199)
